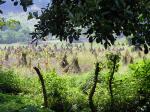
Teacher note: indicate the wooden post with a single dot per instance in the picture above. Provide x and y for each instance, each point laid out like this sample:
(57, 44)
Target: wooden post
(95, 80)
(43, 86)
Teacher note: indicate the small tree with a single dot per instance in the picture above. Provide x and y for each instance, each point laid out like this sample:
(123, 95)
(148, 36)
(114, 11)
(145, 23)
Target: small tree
(92, 91)
(112, 64)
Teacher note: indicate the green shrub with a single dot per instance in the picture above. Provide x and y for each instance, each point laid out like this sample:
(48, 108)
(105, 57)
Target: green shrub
(62, 95)
(31, 108)
(142, 73)
(9, 82)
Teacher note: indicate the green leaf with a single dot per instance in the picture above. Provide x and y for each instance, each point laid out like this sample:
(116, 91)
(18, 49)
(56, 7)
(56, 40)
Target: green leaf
(30, 16)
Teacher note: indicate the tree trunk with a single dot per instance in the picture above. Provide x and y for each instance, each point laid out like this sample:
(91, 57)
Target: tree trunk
(43, 86)
(95, 80)
(110, 85)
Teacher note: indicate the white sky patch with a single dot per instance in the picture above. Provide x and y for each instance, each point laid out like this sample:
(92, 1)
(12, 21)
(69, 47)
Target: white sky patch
(34, 8)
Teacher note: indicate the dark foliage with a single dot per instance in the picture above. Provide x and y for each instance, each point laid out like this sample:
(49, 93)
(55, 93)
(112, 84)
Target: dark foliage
(23, 3)
(65, 19)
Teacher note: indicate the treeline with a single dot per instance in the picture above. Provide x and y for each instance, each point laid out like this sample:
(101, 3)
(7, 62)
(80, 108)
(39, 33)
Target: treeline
(11, 31)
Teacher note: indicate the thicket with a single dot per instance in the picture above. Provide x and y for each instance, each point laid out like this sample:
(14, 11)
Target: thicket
(129, 91)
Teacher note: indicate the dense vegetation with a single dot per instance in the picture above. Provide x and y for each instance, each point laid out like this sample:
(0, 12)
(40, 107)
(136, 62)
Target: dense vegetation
(68, 88)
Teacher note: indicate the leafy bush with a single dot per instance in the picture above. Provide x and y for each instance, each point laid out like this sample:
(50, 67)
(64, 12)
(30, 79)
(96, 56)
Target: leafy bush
(9, 82)
(62, 95)
(31, 108)
(141, 71)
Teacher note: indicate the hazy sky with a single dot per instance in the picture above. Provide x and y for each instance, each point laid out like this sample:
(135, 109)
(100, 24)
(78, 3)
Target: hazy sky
(9, 8)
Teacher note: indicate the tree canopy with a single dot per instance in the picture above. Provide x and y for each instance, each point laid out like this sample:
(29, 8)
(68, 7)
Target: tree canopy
(102, 19)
